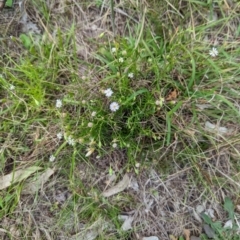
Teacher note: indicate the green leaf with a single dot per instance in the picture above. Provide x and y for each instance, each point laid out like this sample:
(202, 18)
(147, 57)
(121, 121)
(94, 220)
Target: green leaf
(229, 207)
(217, 226)
(26, 40)
(206, 219)
(9, 3)
(134, 95)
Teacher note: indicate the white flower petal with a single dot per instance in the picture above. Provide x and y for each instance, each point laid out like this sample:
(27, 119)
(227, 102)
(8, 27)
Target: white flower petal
(70, 141)
(52, 158)
(94, 114)
(121, 60)
(108, 92)
(213, 52)
(130, 75)
(11, 87)
(58, 103)
(59, 135)
(114, 106)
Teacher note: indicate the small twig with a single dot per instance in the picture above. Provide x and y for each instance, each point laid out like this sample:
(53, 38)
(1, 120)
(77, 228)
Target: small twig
(113, 17)
(120, 11)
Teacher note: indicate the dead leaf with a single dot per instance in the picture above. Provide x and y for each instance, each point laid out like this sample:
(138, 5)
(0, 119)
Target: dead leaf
(217, 129)
(119, 187)
(191, 133)
(210, 213)
(127, 225)
(203, 106)
(134, 184)
(172, 95)
(28, 25)
(186, 234)
(33, 187)
(17, 176)
(92, 231)
(3, 230)
(196, 216)
(110, 179)
(228, 224)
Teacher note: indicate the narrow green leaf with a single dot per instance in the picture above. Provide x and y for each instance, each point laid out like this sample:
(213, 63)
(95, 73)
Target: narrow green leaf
(229, 207)
(135, 94)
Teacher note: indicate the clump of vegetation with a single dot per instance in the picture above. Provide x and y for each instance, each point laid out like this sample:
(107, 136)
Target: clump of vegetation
(86, 106)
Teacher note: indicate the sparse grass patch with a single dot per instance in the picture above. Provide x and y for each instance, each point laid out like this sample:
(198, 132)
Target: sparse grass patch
(160, 102)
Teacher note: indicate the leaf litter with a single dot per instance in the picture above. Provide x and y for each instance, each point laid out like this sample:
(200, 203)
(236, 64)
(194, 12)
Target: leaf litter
(17, 176)
(119, 187)
(33, 186)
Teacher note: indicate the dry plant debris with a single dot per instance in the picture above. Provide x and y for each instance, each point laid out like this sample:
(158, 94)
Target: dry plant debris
(183, 167)
(16, 176)
(119, 187)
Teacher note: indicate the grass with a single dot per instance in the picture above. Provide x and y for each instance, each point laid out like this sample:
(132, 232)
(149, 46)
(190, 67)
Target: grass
(93, 100)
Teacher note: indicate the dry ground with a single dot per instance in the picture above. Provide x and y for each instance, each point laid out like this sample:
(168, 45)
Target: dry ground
(171, 183)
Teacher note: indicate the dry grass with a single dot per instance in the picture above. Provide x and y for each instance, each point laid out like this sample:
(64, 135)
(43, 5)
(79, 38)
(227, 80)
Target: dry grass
(173, 180)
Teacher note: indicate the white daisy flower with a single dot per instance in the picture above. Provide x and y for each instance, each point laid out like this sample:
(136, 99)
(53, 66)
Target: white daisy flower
(113, 50)
(84, 101)
(114, 145)
(114, 106)
(58, 103)
(59, 135)
(90, 124)
(70, 141)
(213, 52)
(137, 164)
(124, 52)
(159, 102)
(120, 60)
(108, 92)
(51, 158)
(94, 114)
(11, 87)
(130, 75)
